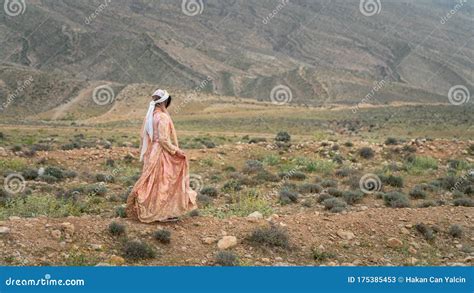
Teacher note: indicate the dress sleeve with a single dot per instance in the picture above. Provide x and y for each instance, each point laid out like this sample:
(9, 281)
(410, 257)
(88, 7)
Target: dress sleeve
(162, 123)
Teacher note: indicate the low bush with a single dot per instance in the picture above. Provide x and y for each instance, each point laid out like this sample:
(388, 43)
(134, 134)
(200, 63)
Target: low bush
(396, 200)
(334, 205)
(328, 183)
(283, 136)
(116, 229)
(391, 180)
(121, 212)
(417, 193)
(226, 259)
(252, 167)
(309, 188)
(352, 197)
(137, 250)
(287, 196)
(366, 153)
(321, 256)
(209, 191)
(465, 202)
(425, 231)
(391, 141)
(204, 199)
(162, 236)
(345, 172)
(456, 231)
(270, 236)
(427, 204)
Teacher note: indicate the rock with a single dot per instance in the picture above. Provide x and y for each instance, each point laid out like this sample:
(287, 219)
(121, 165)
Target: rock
(116, 260)
(56, 234)
(96, 246)
(412, 250)
(103, 264)
(68, 228)
(394, 243)
(3, 152)
(209, 240)
(255, 216)
(4, 230)
(227, 242)
(346, 235)
(405, 231)
(14, 218)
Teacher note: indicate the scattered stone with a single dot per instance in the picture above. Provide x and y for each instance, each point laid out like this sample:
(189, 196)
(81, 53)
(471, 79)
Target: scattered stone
(56, 234)
(14, 218)
(103, 264)
(68, 228)
(116, 260)
(405, 231)
(227, 242)
(346, 235)
(209, 240)
(96, 246)
(412, 250)
(4, 230)
(255, 217)
(394, 243)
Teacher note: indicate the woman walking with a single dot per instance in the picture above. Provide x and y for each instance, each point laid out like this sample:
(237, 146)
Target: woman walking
(162, 193)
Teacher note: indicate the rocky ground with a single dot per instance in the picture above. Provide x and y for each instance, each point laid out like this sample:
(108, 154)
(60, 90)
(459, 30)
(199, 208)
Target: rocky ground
(366, 232)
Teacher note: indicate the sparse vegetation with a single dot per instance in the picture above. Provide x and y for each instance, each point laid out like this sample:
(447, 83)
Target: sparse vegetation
(396, 200)
(226, 259)
(366, 153)
(425, 231)
(163, 236)
(270, 236)
(456, 231)
(334, 205)
(116, 229)
(137, 250)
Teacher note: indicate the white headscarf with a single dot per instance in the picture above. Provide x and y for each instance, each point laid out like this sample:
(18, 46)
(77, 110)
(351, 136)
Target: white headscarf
(148, 129)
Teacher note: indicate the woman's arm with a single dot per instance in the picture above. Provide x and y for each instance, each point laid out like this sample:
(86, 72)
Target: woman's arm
(162, 123)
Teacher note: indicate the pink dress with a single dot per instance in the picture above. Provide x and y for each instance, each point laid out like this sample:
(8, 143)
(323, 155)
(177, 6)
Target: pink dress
(163, 190)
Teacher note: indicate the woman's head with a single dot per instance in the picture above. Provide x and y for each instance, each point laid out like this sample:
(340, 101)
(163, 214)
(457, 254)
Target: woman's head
(162, 95)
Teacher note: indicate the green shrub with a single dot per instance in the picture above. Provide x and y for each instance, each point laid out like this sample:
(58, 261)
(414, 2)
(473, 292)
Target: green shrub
(163, 236)
(329, 183)
(252, 167)
(136, 250)
(465, 202)
(418, 164)
(427, 204)
(270, 236)
(121, 212)
(352, 197)
(54, 171)
(391, 141)
(321, 256)
(104, 178)
(30, 174)
(348, 144)
(334, 204)
(266, 176)
(334, 192)
(39, 205)
(209, 191)
(283, 136)
(271, 160)
(366, 153)
(345, 172)
(320, 166)
(287, 196)
(396, 200)
(417, 192)
(116, 229)
(204, 199)
(425, 231)
(232, 185)
(309, 188)
(293, 175)
(226, 259)
(98, 189)
(391, 180)
(48, 179)
(456, 231)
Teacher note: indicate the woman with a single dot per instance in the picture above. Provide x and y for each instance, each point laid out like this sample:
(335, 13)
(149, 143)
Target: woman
(162, 193)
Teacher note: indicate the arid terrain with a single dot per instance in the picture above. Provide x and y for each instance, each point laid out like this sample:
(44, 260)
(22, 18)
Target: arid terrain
(304, 188)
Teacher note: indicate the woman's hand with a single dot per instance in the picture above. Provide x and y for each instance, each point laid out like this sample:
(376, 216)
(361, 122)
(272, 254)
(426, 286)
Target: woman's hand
(179, 153)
